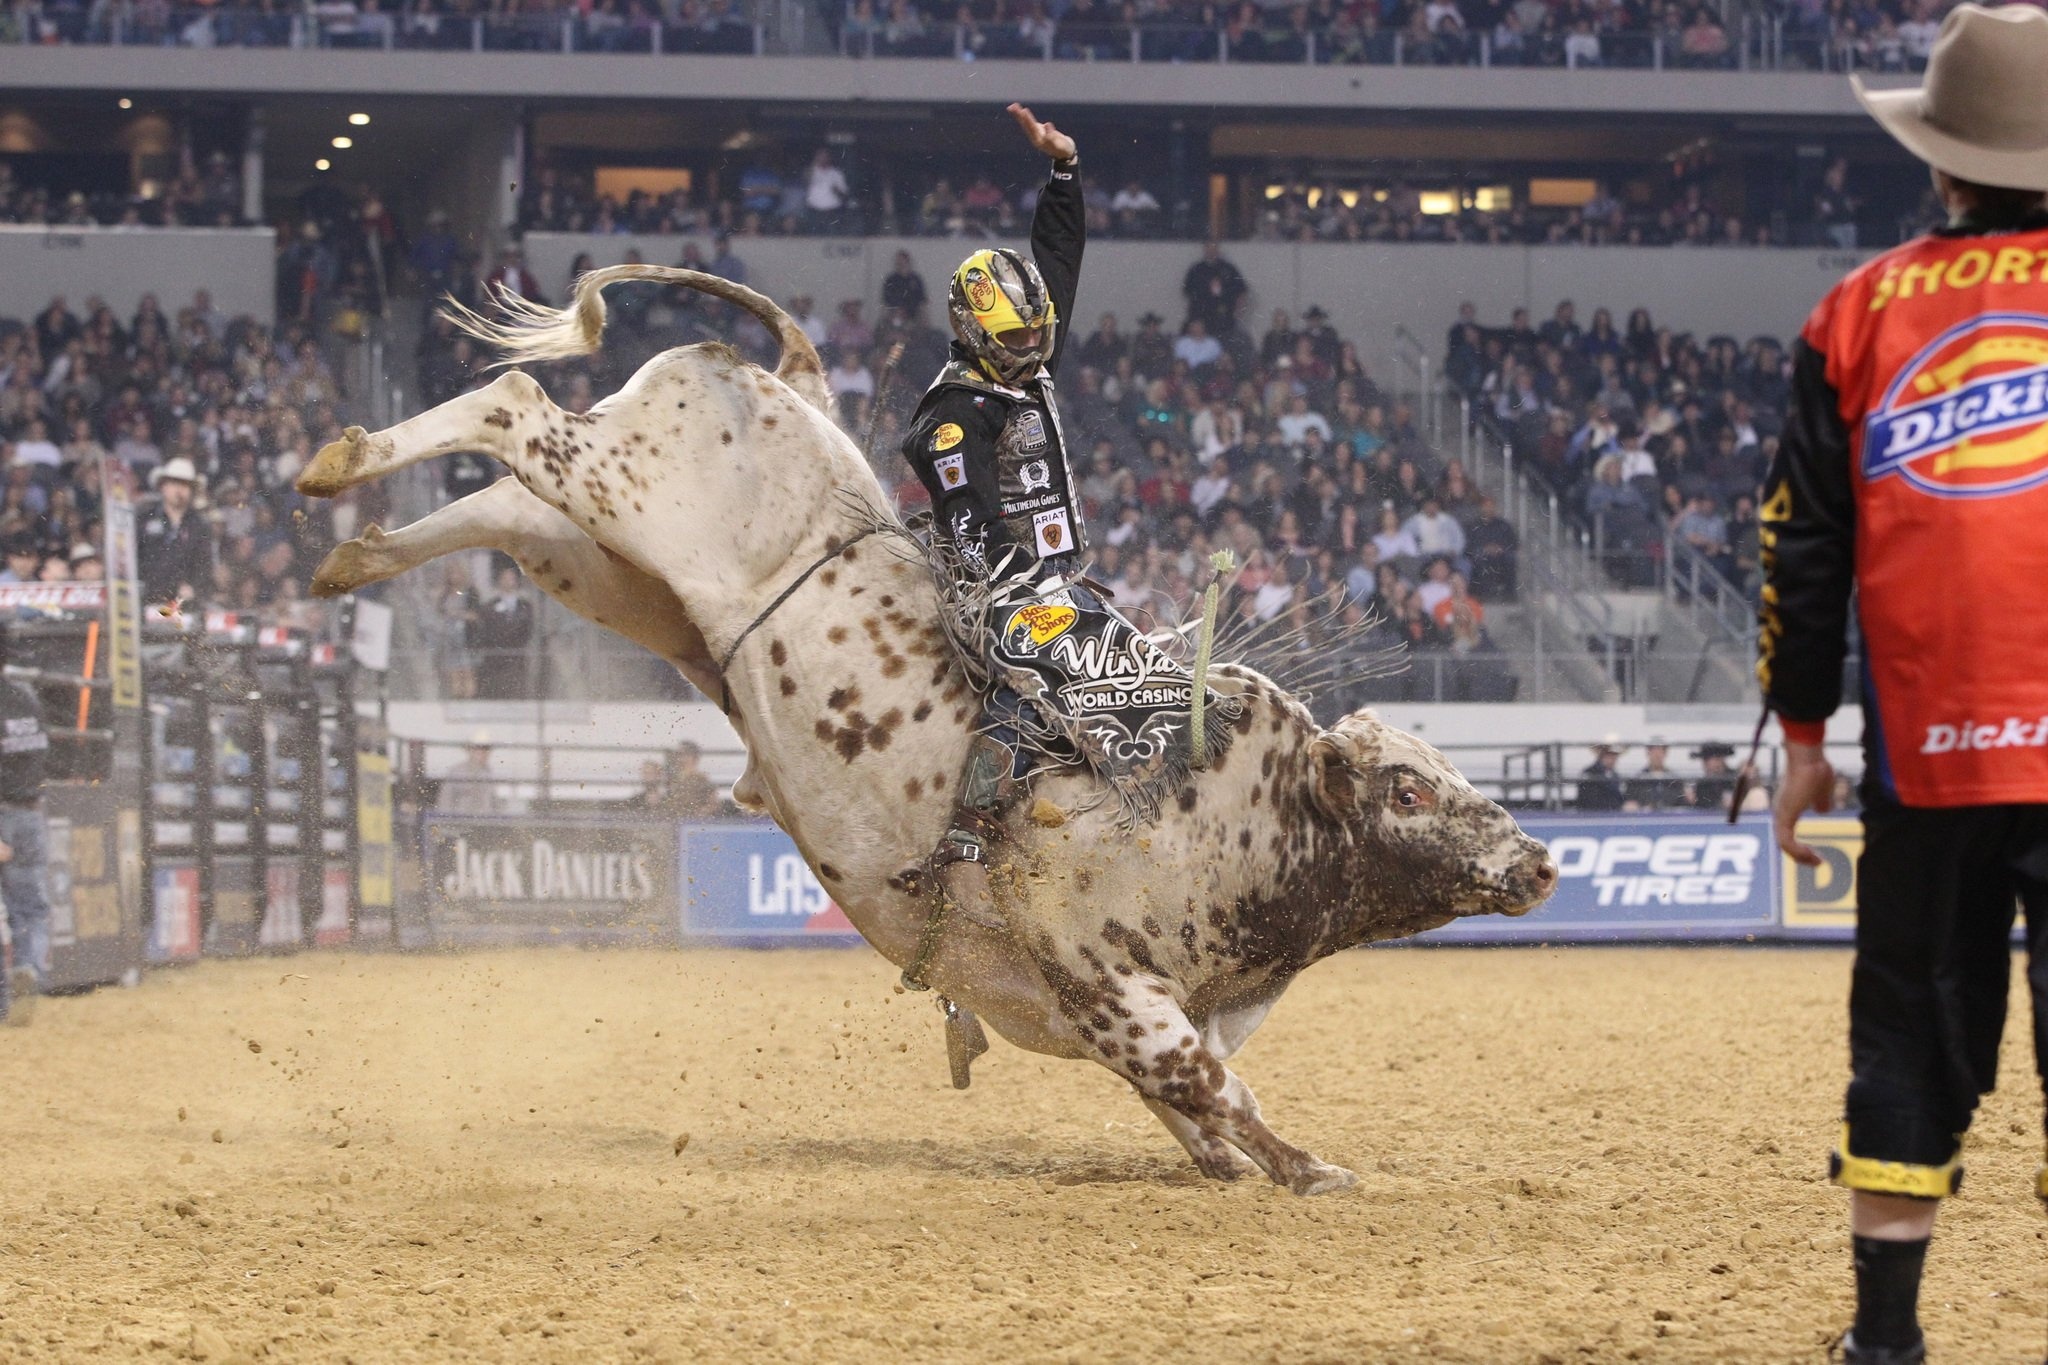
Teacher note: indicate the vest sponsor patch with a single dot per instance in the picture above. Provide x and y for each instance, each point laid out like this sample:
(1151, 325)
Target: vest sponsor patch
(952, 470)
(947, 436)
(1036, 474)
(1053, 532)
(1031, 628)
(1968, 416)
(1029, 426)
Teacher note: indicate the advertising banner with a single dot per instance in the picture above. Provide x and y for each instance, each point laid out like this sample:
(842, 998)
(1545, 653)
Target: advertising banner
(503, 879)
(746, 883)
(333, 925)
(95, 930)
(1820, 902)
(235, 925)
(174, 897)
(1665, 878)
(375, 851)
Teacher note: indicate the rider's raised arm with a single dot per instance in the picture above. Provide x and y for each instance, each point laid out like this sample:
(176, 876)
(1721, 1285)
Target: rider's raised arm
(1059, 232)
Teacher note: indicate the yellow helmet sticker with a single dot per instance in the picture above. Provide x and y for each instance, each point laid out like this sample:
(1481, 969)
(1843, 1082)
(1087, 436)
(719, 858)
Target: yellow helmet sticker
(992, 307)
(947, 436)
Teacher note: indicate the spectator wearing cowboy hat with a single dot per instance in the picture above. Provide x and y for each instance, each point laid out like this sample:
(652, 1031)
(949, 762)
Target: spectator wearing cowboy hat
(86, 564)
(1955, 831)
(174, 546)
(23, 559)
(1600, 784)
(1716, 783)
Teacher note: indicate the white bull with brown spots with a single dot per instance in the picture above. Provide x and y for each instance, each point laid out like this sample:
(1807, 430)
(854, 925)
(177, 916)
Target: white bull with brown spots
(680, 509)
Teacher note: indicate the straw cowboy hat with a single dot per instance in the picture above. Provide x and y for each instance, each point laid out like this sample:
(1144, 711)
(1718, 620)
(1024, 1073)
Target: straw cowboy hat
(1982, 116)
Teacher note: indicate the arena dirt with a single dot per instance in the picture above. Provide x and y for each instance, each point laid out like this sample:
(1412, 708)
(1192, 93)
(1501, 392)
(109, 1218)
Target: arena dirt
(577, 1156)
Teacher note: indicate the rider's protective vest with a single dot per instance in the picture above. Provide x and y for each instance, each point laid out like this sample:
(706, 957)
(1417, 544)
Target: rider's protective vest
(1004, 443)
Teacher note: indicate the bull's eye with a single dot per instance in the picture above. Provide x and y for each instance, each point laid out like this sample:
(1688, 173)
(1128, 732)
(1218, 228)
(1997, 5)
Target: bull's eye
(1414, 798)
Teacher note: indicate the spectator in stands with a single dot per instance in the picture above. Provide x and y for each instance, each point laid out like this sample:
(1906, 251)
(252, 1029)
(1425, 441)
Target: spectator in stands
(1491, 546)
(1715, 786)
(1435, 532)
(903, 289)
(825, 193)
(512, 276)
(1151, 354)
(174, 546)
(692, 795)
(1600, 782)
(470, 788)
(1656, 787)
(500, 633)
(1196, 348)
(1214, 290)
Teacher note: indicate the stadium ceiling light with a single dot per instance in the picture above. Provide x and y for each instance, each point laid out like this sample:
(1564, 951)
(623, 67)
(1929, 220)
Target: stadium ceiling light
(127, 103)
(359, 120)
(342, 144)
(322, 164)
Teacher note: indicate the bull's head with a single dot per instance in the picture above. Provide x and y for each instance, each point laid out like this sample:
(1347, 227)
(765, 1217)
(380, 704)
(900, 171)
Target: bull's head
(1428, 847)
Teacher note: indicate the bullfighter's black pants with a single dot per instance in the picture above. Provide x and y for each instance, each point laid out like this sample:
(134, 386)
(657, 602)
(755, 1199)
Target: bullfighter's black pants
(1937, 891)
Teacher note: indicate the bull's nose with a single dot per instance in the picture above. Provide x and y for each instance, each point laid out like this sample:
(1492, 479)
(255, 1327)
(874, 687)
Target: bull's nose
(1545, 875)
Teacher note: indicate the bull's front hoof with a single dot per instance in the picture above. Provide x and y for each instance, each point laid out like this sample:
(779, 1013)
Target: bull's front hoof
(1322, 1178)
(333, 469)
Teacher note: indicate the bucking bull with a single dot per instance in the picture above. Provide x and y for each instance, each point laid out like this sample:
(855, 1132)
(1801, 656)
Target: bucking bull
(713, 513)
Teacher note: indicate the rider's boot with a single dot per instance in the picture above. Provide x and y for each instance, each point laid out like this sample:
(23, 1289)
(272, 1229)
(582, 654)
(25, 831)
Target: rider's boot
(958, 868)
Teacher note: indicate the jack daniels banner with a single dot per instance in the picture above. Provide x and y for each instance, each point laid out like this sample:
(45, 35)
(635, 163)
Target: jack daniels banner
(1112, 695)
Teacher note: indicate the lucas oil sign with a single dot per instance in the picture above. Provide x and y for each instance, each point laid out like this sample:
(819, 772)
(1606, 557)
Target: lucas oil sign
(747, 883)
(1645, 877)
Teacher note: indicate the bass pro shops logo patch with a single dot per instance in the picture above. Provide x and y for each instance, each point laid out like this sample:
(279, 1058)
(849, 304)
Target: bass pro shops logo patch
(1031, 628)
(1968, 416)
(980, 289)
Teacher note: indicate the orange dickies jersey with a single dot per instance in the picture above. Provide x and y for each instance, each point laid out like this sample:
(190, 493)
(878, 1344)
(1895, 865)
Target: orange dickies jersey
(1915, 464)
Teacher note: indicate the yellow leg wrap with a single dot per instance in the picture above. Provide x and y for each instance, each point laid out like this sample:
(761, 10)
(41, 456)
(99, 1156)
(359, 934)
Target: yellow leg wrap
(1895, 1177)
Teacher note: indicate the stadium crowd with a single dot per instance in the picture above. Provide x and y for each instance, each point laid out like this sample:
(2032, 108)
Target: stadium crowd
(199, 196)
(203, 417)
(1639, 430)
(823, 197)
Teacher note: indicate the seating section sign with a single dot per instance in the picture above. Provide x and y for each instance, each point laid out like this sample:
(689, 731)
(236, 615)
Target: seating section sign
(746, 883)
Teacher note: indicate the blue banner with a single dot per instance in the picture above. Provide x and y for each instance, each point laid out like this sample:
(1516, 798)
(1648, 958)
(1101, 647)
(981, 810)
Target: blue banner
(1659, 877)
(747, 884)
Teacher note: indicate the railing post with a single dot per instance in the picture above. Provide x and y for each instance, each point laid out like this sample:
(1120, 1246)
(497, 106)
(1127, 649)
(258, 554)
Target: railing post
(569, 37)
(760, 39)
(1486, 49)
(654, 39)
(1135, 43)
(476, 33)
(1222, 44)
(1400, 49)
(959, 40)
(1309, 49)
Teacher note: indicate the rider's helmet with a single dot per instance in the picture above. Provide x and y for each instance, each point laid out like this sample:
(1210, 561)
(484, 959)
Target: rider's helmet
(1002, 314)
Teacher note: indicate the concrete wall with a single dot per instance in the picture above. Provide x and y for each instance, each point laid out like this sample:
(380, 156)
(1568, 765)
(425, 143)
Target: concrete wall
(121, 265)
(1369, 289)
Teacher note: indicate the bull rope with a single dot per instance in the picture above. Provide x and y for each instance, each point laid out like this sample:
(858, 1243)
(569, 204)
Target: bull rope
(724, 683)
(1220, 563)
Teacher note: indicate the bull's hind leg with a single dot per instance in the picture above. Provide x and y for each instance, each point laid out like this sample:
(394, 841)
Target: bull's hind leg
(494, 420)
(567, 564)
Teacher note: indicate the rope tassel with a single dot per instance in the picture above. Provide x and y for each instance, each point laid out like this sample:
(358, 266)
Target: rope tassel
(1220, 563)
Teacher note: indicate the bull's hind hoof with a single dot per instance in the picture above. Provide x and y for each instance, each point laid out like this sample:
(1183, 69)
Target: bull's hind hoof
(333, 469)
(350, 565)
(1322, 1178)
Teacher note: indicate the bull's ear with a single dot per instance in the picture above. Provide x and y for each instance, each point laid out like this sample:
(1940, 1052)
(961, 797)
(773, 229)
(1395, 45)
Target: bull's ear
(1335, 780)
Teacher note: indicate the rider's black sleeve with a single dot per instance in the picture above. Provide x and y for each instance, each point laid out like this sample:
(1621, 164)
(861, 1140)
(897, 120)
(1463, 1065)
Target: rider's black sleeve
(1059, 232)
(952, 446)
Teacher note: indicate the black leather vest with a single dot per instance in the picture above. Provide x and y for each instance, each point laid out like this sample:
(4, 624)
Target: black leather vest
(1040, 506)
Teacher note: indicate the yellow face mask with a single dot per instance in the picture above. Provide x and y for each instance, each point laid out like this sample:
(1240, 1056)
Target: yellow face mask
(1001, 313)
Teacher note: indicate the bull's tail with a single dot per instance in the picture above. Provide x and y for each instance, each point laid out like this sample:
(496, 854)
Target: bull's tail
(530, 332)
